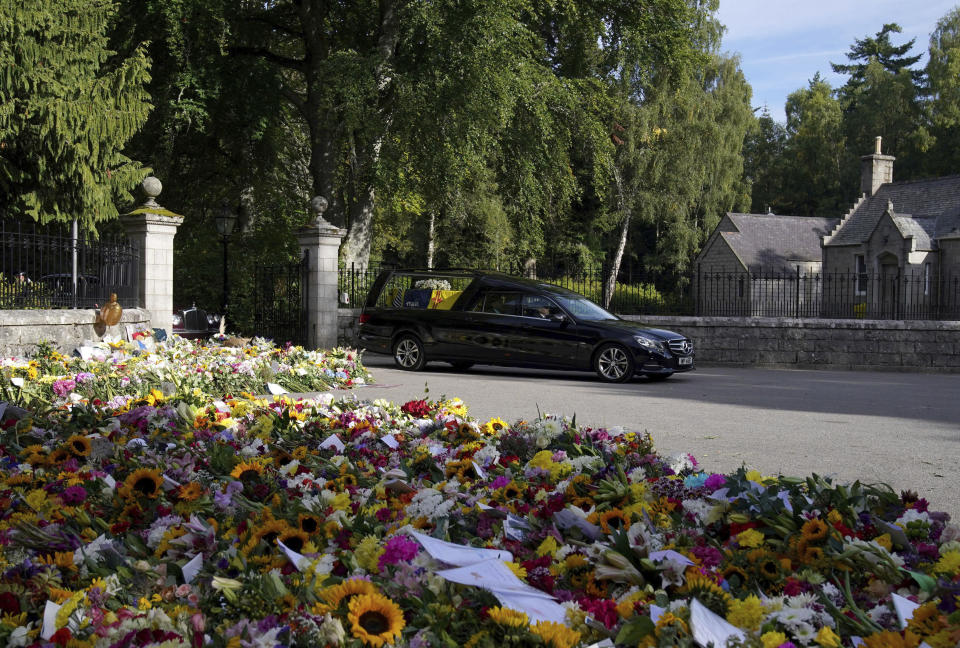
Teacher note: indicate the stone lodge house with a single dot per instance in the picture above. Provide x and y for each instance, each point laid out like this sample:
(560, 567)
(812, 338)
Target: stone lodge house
(894, 254)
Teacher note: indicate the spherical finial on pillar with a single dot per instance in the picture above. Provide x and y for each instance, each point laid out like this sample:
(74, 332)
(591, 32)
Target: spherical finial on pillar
(152, 187)
(318, 205)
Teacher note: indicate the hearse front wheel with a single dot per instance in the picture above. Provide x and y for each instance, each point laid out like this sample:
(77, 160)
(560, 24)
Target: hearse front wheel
(408, 353)
(613, 363)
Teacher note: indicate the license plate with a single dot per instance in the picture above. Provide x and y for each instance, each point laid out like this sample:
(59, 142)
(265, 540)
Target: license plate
(685, 361)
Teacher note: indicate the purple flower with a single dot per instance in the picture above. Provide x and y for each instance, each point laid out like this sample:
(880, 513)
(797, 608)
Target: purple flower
(73, 495)
(499, 482)
(399, 548)
(84, 376)
(714, 482)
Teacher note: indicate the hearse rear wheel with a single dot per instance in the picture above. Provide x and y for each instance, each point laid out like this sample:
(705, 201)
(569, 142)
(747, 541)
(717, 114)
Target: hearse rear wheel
(408, 353)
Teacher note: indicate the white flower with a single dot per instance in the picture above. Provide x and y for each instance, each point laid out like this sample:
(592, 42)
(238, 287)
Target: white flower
(912, 515)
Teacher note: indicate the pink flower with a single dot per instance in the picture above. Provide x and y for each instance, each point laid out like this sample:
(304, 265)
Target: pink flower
(63, 387)
(399, 549)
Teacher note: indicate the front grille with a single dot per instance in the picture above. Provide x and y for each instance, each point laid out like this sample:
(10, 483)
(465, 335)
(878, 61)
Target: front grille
(680, 346)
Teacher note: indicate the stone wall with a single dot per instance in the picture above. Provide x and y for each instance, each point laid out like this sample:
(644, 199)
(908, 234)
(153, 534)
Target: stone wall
(796, 343)
(347, 326)
(22, 330)
(888, 345)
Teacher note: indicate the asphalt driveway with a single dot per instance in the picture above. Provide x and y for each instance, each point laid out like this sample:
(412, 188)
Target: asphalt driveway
(902, 429)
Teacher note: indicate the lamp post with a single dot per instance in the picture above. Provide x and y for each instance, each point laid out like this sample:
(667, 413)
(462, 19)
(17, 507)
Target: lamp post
(226, 219)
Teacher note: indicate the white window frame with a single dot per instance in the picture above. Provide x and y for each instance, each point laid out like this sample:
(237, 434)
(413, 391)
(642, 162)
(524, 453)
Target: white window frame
(927, 273)
(860, 274)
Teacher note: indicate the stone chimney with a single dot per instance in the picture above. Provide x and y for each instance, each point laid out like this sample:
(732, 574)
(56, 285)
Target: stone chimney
(875, 169)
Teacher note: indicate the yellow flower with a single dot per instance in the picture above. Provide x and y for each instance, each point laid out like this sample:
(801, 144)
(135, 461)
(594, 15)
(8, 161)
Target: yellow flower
(827, 638)
(814, 530)
(548, 546)
(755, 476)
(949, 563)
(336, 594)
(773, 639)
(368, 553)
(518, 570)
(247, 470)
(507, 617)
(891, 639)
(556, 635)
(750, 538)
(375, 619)
(144, 482)
(884, 541)
(747, 613)
(495, 426)
(144, 603)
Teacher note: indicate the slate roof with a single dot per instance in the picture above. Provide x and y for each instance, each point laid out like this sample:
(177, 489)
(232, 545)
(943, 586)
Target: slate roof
(937, 199)
(920, 228)
(776, 243)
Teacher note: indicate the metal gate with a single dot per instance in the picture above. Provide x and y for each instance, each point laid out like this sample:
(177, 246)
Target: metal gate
(280, 302)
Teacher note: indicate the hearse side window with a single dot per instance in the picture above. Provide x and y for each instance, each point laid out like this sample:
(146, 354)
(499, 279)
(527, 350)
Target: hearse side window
(539, 306)
(499, 303)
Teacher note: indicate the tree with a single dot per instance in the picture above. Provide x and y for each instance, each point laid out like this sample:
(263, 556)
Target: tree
(891, 58)
(816, 156)
(943, 73)
(67, 109)
(763, 152)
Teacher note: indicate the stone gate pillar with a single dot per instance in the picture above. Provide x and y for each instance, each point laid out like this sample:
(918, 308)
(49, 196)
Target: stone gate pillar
(321, 244)
(151, 228)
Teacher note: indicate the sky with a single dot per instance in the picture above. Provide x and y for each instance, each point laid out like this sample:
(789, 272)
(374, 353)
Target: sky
(783, 44)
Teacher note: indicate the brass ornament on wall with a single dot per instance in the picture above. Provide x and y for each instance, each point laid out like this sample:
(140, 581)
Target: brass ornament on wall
(111, 312)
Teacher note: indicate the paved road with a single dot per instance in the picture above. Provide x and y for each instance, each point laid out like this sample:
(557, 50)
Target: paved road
(902, 429)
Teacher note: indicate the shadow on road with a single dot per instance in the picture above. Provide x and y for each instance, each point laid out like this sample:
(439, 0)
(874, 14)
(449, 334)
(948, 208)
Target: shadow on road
(925, 397)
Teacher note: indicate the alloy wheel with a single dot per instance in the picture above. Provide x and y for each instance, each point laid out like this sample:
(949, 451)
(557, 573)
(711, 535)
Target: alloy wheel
(613, 363)
(407, 353)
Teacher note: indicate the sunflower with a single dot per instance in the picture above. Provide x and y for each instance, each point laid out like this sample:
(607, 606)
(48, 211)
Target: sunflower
(144, 482)
(613, 520)
(708, 593)
(495, 426)
(375, 619)
(295, 539)
(59, 455)
(556, 634)
(268, 531)
(189, 492)
(507, 617)
(511, 491)
(79, 446)
(247, 470)
(814, 530)
(18, 479)
(337, 594)
(309, 524)
(891, 639)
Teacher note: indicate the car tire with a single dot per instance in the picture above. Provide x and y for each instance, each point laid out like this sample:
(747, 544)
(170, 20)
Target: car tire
(658, 377)
(613, 363)
(461, 365)
(408, 353)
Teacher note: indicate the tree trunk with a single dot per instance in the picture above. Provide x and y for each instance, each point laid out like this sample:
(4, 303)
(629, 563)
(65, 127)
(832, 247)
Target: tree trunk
(430, 239)
(611, 281)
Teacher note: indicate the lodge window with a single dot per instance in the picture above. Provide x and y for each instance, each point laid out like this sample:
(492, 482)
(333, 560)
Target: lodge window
(861, 287)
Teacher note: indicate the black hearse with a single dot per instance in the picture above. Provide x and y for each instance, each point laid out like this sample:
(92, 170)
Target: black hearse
(467, 317)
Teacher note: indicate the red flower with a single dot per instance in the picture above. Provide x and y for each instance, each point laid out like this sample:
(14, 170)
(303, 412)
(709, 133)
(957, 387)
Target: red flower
(61, 636)
(418, 408)
(9, 603)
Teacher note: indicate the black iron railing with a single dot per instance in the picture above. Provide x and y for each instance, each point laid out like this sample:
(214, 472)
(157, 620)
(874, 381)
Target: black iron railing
(56, 267)
(634, 292)
(889, 294)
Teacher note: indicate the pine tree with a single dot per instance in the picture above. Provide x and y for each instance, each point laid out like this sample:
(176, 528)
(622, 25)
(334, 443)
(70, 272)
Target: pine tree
(66, 111)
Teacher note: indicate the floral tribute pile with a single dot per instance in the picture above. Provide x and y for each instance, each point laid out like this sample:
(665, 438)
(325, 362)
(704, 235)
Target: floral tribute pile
(187, 520)
(109, 370)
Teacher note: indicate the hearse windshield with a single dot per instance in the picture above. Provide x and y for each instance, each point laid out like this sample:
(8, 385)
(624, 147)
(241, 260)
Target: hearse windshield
(581, 307)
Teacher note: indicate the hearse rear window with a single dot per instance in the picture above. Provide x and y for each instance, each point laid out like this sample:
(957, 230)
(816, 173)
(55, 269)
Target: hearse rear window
(421, 291)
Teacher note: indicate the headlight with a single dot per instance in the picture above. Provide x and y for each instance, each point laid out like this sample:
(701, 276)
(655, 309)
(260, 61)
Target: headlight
(647, 343)
(177, 320)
